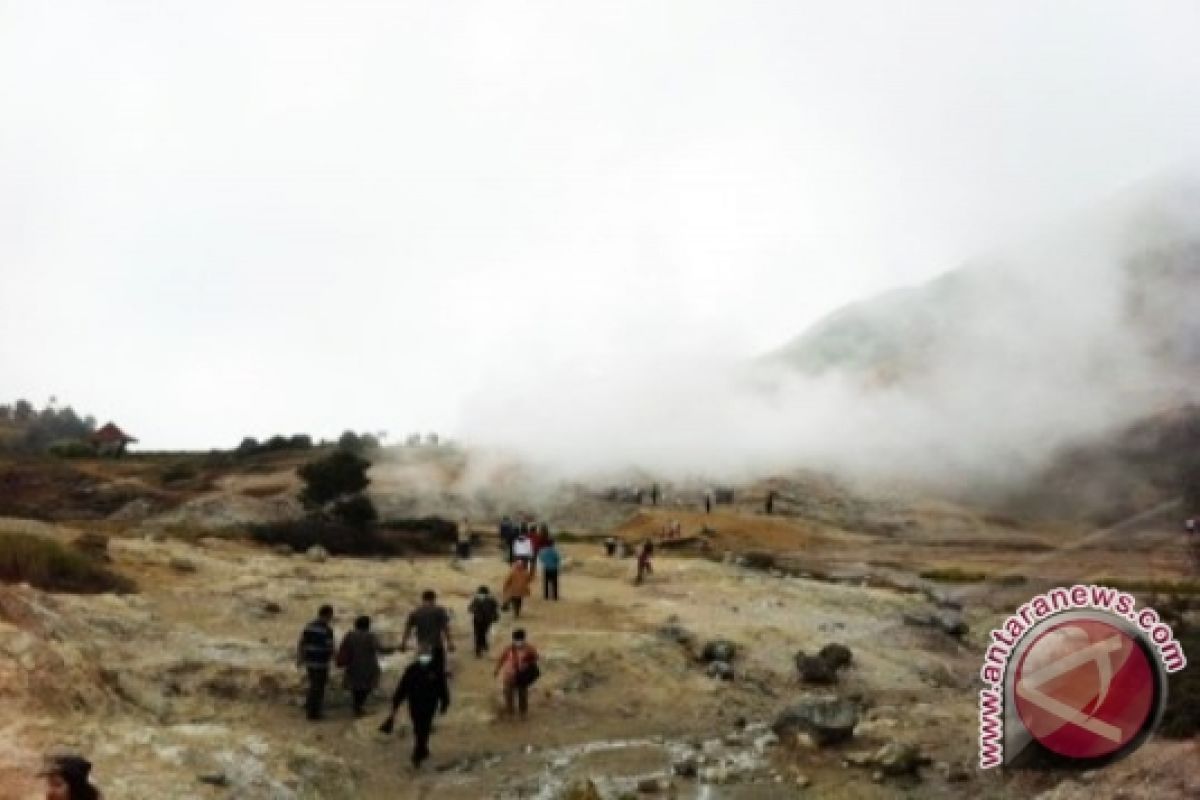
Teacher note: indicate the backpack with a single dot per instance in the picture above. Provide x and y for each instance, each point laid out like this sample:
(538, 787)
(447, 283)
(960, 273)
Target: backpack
(527, 675)
(343, 654)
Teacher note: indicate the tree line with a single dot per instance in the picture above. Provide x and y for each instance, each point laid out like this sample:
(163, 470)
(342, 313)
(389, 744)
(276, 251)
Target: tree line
(35, 431)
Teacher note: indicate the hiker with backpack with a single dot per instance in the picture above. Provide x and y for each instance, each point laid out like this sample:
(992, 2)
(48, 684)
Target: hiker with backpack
(359, 657)
(518, 668)
(484, 613)
(423, 686)
(516, 588)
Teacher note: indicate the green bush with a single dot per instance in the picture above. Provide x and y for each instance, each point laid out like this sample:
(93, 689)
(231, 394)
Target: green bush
(357, 511)
(178, 472)
(337, 475)
(337, 537)
(55, 567)
(72, 449)
(1181, 720)
(954, 575)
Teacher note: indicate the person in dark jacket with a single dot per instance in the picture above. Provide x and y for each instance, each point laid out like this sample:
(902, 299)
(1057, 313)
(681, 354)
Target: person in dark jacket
(423, 686)
(508, 534)
(359, 656)
(67, 778)
(644, 567)
(314, 652)
(432, 625)
(485, 612)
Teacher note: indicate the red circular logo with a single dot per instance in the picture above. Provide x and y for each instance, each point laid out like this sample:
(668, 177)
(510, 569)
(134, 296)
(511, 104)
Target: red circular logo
(1084, 688)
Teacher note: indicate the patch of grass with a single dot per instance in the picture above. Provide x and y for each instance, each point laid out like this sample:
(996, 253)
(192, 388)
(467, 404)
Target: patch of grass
(180, 471)
(55, 567)
(1181, 719)
(1150, 586)
(954, 575)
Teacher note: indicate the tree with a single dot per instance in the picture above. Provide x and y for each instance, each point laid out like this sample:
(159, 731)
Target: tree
(356, 510)
(248, 445)
(333, 477)
(350, 442)
(300, 441)
(5, 412)
(22, 411)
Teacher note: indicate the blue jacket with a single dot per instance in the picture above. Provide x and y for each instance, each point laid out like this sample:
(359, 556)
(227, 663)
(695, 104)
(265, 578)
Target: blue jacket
(550, 559)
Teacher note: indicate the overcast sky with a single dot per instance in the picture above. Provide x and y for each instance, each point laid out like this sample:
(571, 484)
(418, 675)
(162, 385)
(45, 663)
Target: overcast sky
(231, 218)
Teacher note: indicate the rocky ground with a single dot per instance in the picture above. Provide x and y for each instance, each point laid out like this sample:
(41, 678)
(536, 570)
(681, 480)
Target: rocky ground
(689, 686)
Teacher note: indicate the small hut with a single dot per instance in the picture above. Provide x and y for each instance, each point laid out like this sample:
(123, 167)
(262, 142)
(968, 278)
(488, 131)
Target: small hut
(110, 440)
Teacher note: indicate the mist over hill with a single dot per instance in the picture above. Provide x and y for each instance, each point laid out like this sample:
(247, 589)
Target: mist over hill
(975, 378)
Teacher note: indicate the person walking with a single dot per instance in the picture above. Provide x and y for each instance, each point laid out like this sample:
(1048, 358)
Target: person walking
(484, 613)
(610, 546)
(508, 535)
(359, 657)
(314, 652)
(523, 549)
(432, 625)
(519, 669)
(463, 543)
(644, 566)
(423, 686)
(770, 502)
(708, 501)
(516, 588)
(551, 561)
(68, 777)
(654, 495)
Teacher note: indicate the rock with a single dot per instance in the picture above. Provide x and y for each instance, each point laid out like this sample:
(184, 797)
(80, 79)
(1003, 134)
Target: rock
(836, 655)
(181, 564)
(757, 559)
(272, 607)
(317, 553)
(765, 741)
(582, 790)
(582, 681)
(685, 767)
(803, 781)
(649, 786)
(948, 621)
(720, 670)
(719, 650)
(674, 632)
(214, 779)
(93, 545)
(827, 720)
(899, 758)
(814, 669)
(283, 550)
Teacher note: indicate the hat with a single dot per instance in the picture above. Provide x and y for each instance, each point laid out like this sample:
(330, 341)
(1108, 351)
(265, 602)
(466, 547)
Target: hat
(72, 768)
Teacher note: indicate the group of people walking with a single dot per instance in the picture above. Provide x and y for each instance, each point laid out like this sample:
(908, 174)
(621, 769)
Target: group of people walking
(424, 685)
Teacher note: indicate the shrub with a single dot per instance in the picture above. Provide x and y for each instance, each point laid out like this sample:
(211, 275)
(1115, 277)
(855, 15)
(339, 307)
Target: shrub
(336, 537)
(55, 567)
(954, 575)
(357, 511)
(72, 449)
(178, 472)
(300, 441)
(1181, 719)
(339, 474)
(350, 442)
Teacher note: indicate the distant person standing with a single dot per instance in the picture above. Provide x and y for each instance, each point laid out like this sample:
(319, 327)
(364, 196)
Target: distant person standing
(644, 567)
(654, 495)
(519, 669)
(423, 686)
(516, 588)
(359, 657)
(432, 625)
(508, 535)
(770, 502)
(69, 778)
(551, 561)
(523, 549)
(463, 547)
(708, 501)
(484, 612)
(314, 652)
(610, 546)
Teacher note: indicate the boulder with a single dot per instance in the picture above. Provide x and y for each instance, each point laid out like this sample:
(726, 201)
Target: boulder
(582, 790)
(317, 553)
(719, 650)
(899, 758)
(720, 670)
(182, 564)
(836, 655)
(827, 720)
(814, 669)
(948, 621)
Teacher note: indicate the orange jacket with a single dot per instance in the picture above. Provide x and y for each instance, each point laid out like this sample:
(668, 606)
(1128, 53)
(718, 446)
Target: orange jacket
(517, 582)
(514, 658)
